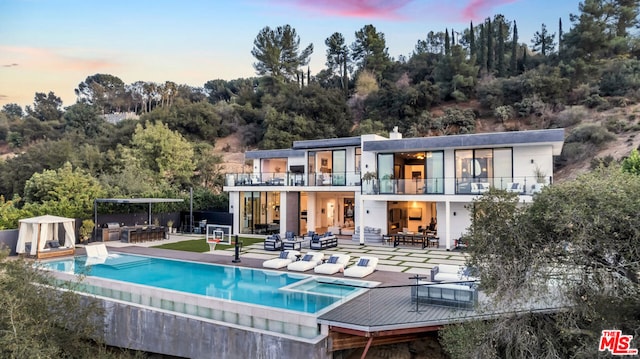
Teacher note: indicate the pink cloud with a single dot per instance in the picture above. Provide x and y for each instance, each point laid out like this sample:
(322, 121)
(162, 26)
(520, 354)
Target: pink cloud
(479, 9)
(54, 59)
(376, 9)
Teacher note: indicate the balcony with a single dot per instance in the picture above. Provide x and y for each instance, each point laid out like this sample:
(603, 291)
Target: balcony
(521, 185)
(293, 179)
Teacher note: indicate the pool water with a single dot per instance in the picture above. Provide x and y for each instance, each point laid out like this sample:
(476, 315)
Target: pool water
(291, 291)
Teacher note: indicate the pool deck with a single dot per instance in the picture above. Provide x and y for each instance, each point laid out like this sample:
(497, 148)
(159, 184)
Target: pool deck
(384, 312)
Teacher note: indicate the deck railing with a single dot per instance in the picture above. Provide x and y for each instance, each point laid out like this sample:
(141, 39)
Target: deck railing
(524, 185)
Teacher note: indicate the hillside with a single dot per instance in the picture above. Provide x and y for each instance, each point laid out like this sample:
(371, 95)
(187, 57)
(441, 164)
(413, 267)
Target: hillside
(624, 142)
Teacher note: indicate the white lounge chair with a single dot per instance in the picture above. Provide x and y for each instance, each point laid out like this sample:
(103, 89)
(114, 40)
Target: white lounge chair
(309, 261)
(285, 258)
(363, 267)
(481, 187)
(515, 187)
(334, 264)
(96, 254)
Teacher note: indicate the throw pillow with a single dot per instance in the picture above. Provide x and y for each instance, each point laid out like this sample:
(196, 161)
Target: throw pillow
(514, 186)
(284, 255)
(54, 244)
(333, 259)
(363, 262)
(307, 257)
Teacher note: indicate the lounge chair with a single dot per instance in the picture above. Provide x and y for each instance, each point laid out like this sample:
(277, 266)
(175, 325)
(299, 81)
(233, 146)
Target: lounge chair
(308, 262)
(333, 265)
(285, 258)
(363, 267)
(515, 187)
(96, 254)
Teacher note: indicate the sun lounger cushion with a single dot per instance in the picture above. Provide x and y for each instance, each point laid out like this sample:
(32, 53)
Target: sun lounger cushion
(364, 266)
(284, 255)
(309, 261)
(279, 262)
(329, 267)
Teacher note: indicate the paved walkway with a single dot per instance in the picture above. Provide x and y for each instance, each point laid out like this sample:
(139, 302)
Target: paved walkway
(405, 259)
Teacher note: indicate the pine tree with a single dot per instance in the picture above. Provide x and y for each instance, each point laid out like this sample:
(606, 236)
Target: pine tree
(447, 45)
(514, 51)
(489, 47)
(559, 35)
(482, 57)
(543, 41)
(500, 50)
(472, 41)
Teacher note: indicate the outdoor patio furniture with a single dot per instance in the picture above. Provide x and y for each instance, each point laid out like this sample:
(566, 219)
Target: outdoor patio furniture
(479, 187)
(333, 265)
(451, 273)
(328, 240)
(515, 187)
(273, 243)
(450, 295)
(285, 258)
(291, 241)
(309, 261)
(363, 267)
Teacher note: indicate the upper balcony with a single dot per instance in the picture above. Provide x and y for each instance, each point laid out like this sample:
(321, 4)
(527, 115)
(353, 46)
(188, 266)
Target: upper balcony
(523, 185)
(293, 179)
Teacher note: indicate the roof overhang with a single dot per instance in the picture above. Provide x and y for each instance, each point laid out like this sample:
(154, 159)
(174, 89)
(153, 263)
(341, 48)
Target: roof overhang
(553, 137)
(138, 200)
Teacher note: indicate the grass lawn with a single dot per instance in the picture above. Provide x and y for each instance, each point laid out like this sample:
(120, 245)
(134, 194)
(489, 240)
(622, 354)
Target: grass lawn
(200, 245)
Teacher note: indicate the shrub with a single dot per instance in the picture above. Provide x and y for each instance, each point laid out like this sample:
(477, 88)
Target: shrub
(602, 161)
(595, 101)
(591, 134)
(616, 125)
(569, 117)
(503, 113)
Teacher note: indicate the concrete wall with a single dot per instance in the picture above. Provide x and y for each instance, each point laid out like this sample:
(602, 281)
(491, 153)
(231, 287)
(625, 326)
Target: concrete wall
(9, 239)
(156, 331)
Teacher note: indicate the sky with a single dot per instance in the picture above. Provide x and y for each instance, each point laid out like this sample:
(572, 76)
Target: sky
(54, 45)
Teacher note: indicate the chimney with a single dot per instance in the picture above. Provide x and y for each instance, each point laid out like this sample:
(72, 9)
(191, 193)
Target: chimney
(395, 135)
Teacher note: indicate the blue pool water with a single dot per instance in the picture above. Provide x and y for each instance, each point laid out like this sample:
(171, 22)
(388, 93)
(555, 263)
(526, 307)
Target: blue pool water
(298, 292)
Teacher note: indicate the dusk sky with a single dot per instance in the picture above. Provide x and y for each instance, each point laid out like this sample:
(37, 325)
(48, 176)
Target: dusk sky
(53, 45)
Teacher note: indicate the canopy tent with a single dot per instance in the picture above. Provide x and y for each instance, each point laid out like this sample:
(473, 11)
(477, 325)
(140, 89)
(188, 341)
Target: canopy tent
(40, 230)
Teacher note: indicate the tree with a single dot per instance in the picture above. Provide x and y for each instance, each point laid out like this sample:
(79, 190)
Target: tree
(85, 119)
(447, 43)
(13, 110)
(514, 51)
(278, 54)
(41, 318)
(500, 49)
(369, 50)
(164, 152)
(543, 41)
(105, 91)
(490, 54)
(68, 192)
(631, 164)
(472, 41)
(46, 107)
(337, 55)
(576, 243)
(560, 33)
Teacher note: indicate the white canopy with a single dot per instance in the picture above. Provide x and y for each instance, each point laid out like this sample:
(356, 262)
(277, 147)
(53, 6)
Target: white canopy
(39, 230)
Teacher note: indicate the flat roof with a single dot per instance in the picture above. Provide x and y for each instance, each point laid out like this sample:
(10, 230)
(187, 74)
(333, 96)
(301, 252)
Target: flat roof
(138, 200)
(283, 153)
(327, 143)
(554, 137)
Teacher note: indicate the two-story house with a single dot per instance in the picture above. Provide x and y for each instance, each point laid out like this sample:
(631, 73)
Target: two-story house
(392, 184)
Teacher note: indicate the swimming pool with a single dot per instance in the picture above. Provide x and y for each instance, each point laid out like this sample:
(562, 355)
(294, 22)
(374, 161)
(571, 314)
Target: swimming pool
(274, 289)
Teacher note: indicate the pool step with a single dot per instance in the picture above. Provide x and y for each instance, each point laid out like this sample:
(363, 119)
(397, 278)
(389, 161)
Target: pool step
(126, 262)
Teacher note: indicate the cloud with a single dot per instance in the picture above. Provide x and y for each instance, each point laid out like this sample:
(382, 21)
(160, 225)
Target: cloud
(371, 9)
(479, 9)
(55, 59)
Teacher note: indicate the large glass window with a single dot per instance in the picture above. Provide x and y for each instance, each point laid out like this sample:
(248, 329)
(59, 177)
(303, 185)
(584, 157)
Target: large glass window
(358, 159)
(492, 166)
(260, 212)
(339, 167)
(435, 172)
(385, 173)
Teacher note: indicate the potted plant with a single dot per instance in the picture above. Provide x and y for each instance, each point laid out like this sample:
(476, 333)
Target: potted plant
(86, 229)
(368, 176)
(170, 226)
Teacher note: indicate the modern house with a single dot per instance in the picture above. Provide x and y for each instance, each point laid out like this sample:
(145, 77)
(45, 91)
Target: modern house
(386, 185)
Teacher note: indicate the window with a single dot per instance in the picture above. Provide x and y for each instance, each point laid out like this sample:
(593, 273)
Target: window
(492, 166)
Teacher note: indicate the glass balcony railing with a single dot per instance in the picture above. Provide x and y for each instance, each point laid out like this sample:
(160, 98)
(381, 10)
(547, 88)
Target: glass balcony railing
(293, 179)
(521, 185)
(526, 185)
